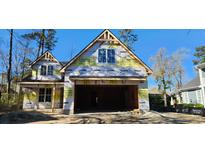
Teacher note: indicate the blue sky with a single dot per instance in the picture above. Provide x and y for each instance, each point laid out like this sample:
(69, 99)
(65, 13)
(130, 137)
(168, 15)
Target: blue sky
(70, 42)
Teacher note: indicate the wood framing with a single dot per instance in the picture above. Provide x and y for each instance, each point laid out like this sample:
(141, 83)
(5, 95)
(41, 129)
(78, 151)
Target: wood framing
(47, 56)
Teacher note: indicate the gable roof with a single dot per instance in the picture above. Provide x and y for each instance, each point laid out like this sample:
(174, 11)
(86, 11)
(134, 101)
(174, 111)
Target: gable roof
(105, 36)
(47, 54)
(193, 84)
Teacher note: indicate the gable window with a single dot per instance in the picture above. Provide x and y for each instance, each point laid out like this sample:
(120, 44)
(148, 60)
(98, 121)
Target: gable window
(50, 70)
(45, 95)
(111, 56)
(106, 55)
(102, 55)
(43, 70)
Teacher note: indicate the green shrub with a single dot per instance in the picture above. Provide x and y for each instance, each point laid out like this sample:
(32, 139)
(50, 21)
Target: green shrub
(190, 106)
(198, 106)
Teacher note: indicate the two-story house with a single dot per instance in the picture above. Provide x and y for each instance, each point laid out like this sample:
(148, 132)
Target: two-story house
(105, 75)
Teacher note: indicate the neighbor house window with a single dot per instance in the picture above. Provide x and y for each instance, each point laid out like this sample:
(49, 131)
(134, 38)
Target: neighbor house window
(102, 55)
(50, 70)
(43, 70)
(45, 94)
(111, 56)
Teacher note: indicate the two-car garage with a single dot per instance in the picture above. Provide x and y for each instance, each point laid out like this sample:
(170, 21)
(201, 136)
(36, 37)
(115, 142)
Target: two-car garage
(91, 98)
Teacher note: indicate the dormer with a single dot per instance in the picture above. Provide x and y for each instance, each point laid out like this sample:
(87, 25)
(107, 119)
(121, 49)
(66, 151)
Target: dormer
(46, 67)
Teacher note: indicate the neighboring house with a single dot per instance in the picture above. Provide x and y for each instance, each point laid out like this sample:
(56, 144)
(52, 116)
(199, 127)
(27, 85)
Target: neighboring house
(105, 75)
(3, 78)
(3, 83)
(194, 91)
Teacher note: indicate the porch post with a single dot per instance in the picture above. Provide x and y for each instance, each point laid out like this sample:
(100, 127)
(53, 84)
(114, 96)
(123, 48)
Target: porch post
(53, 99)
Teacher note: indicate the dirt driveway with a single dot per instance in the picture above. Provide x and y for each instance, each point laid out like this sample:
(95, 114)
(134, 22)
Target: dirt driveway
(151, 117)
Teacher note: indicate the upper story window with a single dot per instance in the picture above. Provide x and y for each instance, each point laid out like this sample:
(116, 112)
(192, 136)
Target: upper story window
(111, 56)
(106, 55)
(102, 55)
(46, 70)
(50, 70)
(43, 70)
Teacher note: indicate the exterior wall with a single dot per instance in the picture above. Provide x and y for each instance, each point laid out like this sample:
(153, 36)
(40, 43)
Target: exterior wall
(36, 70)
(194, 96)
(202, 84)
(68, 96)
(87, 64)
(143, 96)
(30, 100)
(31, 95)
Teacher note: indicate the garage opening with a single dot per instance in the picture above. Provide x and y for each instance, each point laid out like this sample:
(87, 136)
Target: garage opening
(97, 98)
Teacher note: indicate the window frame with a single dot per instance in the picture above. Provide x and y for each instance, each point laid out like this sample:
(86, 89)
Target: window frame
(43, 72)
(106, 55)
(111, 57)
(49, 70)
(104, 58)
(44, 95)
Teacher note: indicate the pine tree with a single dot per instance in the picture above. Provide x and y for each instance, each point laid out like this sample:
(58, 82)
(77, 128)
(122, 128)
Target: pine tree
(45, 39)
(200, 55)
(128, 37)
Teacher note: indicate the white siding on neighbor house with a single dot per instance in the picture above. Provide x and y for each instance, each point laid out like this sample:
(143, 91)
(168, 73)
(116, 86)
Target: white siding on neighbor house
(194, 97)
(203, 76)
(199, 97)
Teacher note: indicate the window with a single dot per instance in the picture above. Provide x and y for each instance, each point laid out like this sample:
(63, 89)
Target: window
(111, 56)
(102, 55)
(106, 56)
(50, 70)
(41, 94)
(45, 94)
(48, 95)
(43, 70)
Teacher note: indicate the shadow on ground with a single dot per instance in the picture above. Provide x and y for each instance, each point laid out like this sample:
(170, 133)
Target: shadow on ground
(150, 117)
(129, 118)
(24, 117)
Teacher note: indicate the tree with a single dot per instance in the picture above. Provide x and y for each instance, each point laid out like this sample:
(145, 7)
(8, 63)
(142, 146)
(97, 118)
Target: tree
(176, 66)
(45, 39)
(168, 70)
(10, 65)
(128, 37)
(161, 72)
(200, 55)
(51, 40)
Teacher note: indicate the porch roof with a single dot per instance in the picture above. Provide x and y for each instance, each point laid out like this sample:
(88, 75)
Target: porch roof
(41, 82)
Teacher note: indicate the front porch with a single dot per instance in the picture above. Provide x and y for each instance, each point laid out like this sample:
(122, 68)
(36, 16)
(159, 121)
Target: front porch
(42, 95)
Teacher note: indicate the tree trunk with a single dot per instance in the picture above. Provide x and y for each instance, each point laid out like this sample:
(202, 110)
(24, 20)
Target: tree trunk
(39, 49)
(10, 65)
(164, 92)
(42, 41)
(165, 100)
